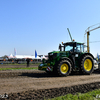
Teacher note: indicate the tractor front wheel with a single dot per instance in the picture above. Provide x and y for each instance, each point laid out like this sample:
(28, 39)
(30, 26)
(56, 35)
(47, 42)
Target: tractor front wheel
(87, 65)
(64, 68)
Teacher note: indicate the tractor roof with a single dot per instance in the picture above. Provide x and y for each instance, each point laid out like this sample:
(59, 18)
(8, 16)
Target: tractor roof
(68, 43)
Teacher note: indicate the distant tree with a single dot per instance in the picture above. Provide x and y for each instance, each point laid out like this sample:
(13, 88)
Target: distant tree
(5, 56)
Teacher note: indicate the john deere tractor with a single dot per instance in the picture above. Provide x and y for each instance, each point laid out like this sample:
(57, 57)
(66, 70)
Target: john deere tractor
(70, 58)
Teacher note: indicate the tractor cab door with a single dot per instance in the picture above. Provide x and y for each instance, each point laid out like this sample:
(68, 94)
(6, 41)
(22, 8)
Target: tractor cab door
(78, 49)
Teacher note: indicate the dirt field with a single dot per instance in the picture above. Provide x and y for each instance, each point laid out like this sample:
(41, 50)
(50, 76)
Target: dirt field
(16, 66)
(34, 84)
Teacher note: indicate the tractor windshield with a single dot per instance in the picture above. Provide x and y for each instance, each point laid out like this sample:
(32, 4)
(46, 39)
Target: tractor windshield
(69, 48)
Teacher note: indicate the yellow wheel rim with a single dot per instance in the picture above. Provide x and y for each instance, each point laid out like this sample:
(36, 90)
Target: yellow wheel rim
(64, 68)
(88, 64)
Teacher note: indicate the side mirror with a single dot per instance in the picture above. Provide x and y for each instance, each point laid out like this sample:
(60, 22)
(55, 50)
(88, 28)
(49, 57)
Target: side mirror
(60, 47)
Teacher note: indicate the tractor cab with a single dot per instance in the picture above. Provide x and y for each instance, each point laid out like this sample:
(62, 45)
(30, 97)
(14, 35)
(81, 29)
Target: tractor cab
(73, 47)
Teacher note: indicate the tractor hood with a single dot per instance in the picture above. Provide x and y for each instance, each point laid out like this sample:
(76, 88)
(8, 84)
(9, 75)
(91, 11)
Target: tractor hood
(57, 54)
(53, 52)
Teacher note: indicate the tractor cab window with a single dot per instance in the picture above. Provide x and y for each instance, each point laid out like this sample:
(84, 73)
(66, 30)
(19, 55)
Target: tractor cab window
(82, 48)
(79, 48)
(85, 48)
(69, 48)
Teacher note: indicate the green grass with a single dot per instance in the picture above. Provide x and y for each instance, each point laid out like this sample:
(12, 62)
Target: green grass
(21, 64)
(26, 68)
(92, 95)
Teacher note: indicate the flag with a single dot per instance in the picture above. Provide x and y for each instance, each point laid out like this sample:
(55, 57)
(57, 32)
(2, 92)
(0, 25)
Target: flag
(14, 52)
(35, 54)
(97, 56)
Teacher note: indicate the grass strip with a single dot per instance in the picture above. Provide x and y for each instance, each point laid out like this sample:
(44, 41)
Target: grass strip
(20, 64)
(92, 95)
(26, 68)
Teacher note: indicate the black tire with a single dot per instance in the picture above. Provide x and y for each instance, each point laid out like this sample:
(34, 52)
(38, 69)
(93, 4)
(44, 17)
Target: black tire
(99, 66)
(87, 65)
(64, 64)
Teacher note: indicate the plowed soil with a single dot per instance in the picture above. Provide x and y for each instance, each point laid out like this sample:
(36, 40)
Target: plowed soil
(34, 84)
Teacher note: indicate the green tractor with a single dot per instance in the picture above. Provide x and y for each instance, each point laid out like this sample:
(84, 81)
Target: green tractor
(71, 58)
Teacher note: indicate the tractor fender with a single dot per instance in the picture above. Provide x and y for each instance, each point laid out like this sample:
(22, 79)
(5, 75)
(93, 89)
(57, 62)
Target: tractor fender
(86, 54)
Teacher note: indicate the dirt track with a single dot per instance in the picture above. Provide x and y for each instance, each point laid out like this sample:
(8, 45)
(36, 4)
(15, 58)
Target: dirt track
(34, 84)
(16, 66)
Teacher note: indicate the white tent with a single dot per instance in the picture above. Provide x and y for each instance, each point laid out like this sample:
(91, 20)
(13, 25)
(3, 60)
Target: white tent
(11, 56)
(43, 57)
(26, 56)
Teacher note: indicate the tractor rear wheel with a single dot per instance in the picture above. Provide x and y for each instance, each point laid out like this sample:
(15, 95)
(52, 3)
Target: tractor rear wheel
(64, 68)
(87, 65)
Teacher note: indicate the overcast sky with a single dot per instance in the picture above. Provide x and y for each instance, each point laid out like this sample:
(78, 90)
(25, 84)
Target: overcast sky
(40, 25)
